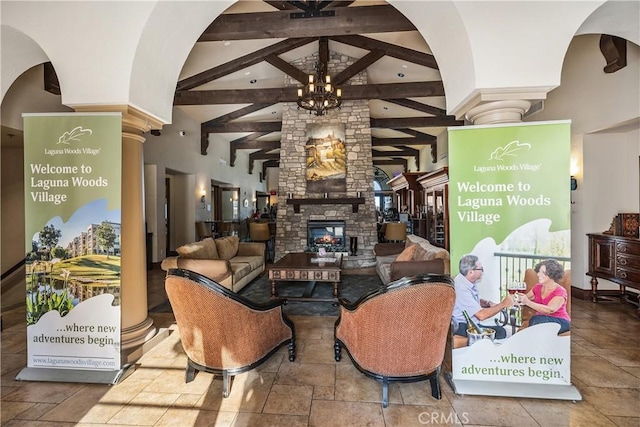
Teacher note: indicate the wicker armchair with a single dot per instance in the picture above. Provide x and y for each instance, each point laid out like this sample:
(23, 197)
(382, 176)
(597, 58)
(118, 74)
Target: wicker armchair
(222, 332)
(398, 332)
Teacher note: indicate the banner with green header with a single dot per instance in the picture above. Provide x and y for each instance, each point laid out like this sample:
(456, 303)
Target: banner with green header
(509, 204)
(72, 221)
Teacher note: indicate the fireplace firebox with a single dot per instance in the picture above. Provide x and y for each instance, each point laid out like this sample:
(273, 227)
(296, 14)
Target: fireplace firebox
(326, 234)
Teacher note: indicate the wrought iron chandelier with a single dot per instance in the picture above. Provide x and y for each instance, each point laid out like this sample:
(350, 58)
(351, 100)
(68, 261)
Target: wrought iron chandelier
(319, 95)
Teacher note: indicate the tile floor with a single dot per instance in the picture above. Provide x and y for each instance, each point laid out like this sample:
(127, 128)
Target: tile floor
(316, 391)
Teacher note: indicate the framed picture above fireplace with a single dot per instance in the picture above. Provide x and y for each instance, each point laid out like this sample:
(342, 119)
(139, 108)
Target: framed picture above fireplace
(326, 158)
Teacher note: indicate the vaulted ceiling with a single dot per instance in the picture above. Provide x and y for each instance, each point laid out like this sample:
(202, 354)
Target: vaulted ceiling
(233, 82)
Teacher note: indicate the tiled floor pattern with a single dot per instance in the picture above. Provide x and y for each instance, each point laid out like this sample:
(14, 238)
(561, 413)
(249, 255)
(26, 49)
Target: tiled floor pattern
(316, 391)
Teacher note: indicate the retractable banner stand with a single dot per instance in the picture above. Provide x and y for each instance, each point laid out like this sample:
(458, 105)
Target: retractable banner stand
(72, 222)
(509, 201)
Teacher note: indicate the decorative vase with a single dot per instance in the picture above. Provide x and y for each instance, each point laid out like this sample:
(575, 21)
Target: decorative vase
(353, 245)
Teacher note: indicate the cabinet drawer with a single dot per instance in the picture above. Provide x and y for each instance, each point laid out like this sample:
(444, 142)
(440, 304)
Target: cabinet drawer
(629, 275)
(629, 248)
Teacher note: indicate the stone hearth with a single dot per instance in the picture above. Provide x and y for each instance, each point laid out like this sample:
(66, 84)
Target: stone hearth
(354, 116)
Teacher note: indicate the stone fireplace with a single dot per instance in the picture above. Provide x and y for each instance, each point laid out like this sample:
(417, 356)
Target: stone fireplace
(329, 235)
(359, 219)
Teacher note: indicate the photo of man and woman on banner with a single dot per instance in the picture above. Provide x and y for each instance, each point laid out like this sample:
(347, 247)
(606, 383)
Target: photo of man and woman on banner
(509, 203)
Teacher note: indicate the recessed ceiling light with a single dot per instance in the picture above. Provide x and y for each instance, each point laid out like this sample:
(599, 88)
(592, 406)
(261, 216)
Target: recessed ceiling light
(385, 108)
(405, 66)
(226, 43)
(400, 75)
(252, 81)
(273, 112)
(247, 73)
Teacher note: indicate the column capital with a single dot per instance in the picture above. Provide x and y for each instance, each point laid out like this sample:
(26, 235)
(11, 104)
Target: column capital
(480, 97)
(134, 120)
(496, 112)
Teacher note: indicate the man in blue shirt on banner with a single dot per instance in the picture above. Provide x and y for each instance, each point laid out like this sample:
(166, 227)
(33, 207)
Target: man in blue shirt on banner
(468, 299)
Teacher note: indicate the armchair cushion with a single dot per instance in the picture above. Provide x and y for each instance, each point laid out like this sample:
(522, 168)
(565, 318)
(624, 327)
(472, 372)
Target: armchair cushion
(203, 249)
(227, 246)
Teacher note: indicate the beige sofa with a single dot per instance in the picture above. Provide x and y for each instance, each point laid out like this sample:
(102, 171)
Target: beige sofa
(231, 263)
(424, 258)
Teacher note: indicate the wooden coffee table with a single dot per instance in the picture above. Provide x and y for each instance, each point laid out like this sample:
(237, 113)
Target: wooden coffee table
(306, 267)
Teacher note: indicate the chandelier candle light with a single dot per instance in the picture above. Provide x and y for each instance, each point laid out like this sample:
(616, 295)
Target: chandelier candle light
(319, 95)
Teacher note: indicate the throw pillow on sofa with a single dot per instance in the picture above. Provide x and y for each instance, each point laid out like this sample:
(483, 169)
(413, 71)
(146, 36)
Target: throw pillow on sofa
(407, 254)
(203, 249)
(422, 254)
(227, 246)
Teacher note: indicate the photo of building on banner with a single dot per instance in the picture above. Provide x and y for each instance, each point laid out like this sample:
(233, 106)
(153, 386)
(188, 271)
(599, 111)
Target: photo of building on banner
(509, 198)
(72, 221)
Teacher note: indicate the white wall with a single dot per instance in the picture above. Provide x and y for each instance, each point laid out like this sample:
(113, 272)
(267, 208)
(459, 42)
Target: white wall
(608, 179)
(173, 154)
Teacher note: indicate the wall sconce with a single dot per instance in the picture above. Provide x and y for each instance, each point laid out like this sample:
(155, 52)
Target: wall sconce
(203, 197)
(574, 183)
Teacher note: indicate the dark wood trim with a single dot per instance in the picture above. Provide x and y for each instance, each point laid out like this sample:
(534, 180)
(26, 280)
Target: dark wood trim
(358, 66)
(389, 49)
(287, 68)
(242, 62)
(237, 144)
(419, 106)
(269, 164)
(244, 127)
(238, 113)
(404, 122)
(289, 94)
(393, 162)
(614, 50)
(278, 24)
(51, 83)
(583, 294)
(355, 202)
(398, 142)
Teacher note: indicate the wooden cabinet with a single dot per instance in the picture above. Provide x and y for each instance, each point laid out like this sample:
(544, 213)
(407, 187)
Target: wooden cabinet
(436, 205)
(617, 259)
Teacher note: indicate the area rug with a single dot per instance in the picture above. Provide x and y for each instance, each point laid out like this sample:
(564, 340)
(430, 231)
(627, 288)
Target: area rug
(351, 288)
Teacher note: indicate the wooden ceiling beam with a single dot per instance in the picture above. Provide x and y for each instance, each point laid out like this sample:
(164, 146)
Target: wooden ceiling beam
(418, 106)
(323, 55)
(237, 143)
(406, 152)
(349, 93)
(418, 134)
(261, 155)
(416, 122)
(403, 162)
(269, 164)
(287, 68)
(278, 24)
(358, 66)
(242, 62)
(281, 5)
(398, 142)
(243, 127)
(389, 49)
(51, 83)
(238, 113)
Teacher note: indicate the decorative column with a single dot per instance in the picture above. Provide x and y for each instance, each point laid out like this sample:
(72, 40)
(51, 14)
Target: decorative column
(137, 326)
(495, 112)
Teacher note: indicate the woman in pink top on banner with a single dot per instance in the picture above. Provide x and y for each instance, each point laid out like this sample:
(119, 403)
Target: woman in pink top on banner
(547, 297)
